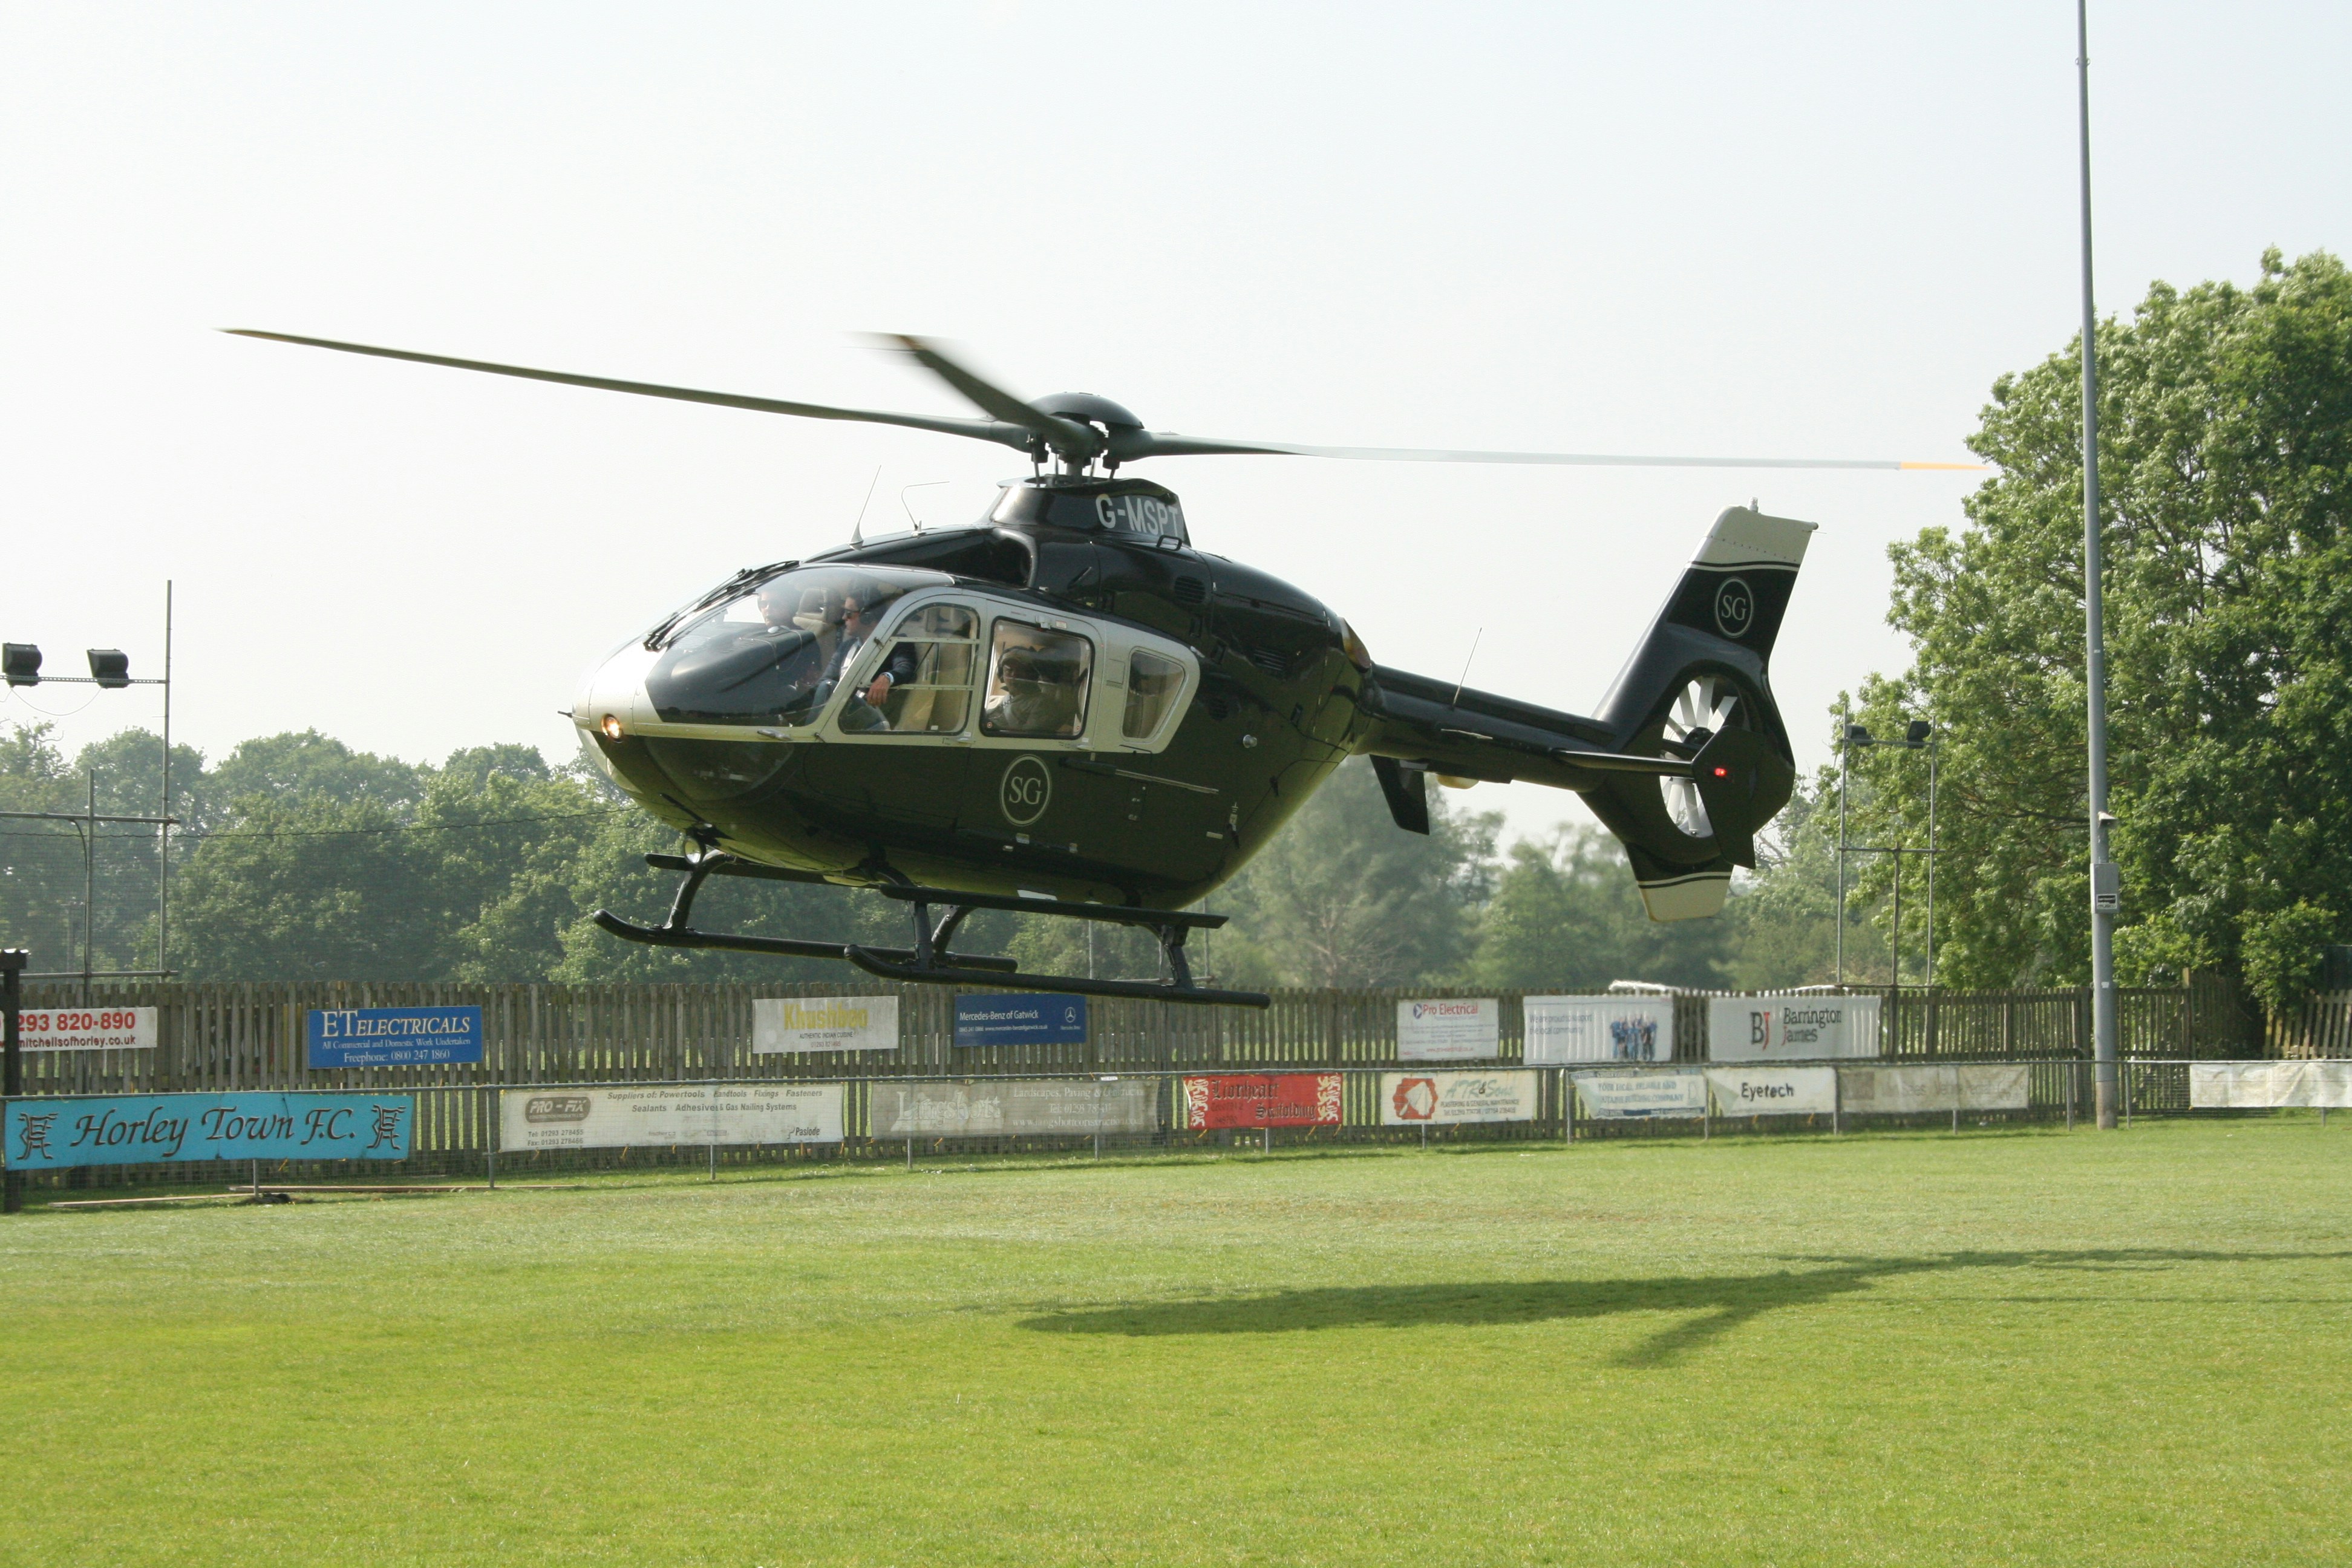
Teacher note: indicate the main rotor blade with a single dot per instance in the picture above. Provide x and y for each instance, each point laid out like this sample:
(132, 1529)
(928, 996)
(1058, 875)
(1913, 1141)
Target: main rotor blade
(1014, 434)
(1126, 446)
(1078, 443)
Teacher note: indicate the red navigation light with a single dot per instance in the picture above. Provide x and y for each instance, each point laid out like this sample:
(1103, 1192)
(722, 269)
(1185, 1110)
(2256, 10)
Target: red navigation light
(1723, 772)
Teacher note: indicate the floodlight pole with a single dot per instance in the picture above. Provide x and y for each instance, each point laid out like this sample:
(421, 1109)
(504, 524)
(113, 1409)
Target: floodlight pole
(2106, 883)
(12, 1064)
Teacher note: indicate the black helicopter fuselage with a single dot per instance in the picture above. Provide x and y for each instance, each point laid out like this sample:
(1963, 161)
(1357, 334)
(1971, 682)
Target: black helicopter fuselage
(1271, 704)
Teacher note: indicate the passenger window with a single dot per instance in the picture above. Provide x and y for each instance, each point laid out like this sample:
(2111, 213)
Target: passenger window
(1036, 683)
(1152, 683)
(928, 672)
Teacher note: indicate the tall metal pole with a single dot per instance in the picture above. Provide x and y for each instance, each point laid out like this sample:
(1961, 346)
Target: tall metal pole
(163, 829)
(2104, 879)
(12, 1063)
(90, 888)
(1846, 757)
(1932, 741)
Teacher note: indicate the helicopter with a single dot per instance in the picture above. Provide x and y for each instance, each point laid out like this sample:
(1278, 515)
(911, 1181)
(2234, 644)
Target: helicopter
(1067, 709)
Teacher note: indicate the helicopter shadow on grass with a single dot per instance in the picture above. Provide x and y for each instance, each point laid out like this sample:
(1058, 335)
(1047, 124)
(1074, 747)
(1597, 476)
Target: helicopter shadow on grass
(1721, 1303)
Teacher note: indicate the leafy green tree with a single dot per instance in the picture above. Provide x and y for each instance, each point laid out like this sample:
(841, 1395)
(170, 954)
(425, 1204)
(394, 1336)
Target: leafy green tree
(1343, 898)
(1566, 916)
(2226, 451)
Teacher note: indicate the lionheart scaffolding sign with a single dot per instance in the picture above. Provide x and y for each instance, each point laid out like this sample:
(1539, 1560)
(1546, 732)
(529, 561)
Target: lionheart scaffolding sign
(50, 1132)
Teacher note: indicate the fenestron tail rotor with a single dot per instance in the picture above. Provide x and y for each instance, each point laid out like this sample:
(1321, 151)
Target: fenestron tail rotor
(1080, 429)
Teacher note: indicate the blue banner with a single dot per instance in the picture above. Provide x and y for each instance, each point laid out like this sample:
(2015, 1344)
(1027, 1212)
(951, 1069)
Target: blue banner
(53, 1131)
(1034, 1019)
(395, 1037)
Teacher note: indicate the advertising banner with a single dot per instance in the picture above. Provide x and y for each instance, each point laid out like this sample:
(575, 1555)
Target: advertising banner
(661, 1116)
(50, 1131)
(1412, 1099)
(1040, 1108)
(1016, 1019)
(86, 1030)
(393, 1037)
(1774, 1091)
(1599, 1028)
(824, 1024)
(2270, 1086)
(1450, 1030)
(1978, 1086)
(1791, 1028)
(1262, 1100)
(1614, 1095)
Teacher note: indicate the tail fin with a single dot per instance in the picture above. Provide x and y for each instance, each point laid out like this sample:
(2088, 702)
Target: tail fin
(1697, 683)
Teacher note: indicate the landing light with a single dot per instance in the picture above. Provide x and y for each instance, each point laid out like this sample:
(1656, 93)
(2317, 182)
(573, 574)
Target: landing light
(611, 726)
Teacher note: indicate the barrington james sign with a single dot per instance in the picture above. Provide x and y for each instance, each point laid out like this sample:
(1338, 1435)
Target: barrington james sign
(1791, 1028)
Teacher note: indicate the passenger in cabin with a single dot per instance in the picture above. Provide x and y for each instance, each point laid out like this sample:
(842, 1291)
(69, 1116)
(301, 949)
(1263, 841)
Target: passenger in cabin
(1036, 683)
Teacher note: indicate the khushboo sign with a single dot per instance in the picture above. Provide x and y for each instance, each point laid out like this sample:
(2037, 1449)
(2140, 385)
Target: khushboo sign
(824, 1024)
(87, 1029)
(1449, 1029)
(51, 1131)
(661, 1116)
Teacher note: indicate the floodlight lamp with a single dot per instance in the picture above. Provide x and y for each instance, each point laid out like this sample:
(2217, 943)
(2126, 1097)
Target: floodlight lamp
(109, 667)
(20, 662)
(1858, 735)
(1917, 733)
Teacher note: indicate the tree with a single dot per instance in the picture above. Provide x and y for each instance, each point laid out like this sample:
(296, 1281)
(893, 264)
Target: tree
(1566, 916)
(1342, 896)
(2226, 450)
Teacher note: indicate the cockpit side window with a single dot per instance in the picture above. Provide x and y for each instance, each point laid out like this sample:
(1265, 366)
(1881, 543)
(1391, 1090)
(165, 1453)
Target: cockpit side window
(1153, 681)
(774, 653)
(923, 685)
(1037, 682)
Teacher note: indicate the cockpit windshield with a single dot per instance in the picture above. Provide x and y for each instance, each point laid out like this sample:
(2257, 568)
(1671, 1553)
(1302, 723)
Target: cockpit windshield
(773, 654)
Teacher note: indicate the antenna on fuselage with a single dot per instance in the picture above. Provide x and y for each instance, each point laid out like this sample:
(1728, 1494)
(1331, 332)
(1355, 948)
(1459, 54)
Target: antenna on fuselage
(858, 528)
(918, 485)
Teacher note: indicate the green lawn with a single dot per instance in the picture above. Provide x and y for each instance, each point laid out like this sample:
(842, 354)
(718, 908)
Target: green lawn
(2035, 1347)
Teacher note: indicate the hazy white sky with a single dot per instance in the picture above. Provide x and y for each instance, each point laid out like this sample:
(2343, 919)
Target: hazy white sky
(1805, 229)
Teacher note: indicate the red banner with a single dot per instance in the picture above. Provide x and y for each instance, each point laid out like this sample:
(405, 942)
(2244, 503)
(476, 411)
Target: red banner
(1262, 1100)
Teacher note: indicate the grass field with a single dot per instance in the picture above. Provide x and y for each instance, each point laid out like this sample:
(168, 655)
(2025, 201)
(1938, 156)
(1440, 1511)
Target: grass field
(2031, 1347)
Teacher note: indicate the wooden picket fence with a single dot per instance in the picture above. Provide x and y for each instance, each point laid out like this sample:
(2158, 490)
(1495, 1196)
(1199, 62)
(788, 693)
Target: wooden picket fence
(251, 1035)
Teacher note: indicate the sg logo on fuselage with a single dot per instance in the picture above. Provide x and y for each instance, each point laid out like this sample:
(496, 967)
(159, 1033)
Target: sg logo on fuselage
(1025, 790)
(1735, 607)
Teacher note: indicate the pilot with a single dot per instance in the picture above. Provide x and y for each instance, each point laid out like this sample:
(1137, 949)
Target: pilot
(860, 613)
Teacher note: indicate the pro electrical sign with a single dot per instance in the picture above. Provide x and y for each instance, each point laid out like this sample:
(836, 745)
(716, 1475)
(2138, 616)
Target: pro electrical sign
(395, 1037)
(48, 1132)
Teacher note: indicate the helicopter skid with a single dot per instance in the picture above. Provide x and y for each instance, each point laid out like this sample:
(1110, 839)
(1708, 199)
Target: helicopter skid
(778, 946)
(929, 962)
(882, 963)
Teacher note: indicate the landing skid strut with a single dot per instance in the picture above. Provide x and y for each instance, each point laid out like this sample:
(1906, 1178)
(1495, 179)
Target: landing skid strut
(929, 962)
